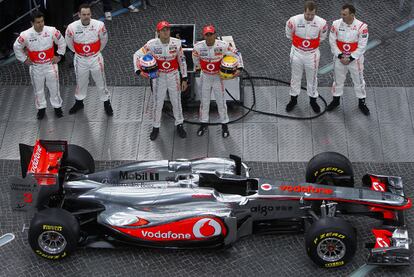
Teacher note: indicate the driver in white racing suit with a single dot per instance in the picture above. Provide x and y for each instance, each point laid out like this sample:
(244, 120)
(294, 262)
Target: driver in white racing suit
(35, 48)
(306, 31)
(207, 56)
(348, 39)
(170, 58)
(87, 38)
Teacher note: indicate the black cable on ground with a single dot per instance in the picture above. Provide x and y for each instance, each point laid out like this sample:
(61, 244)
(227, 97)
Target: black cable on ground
(251, 108)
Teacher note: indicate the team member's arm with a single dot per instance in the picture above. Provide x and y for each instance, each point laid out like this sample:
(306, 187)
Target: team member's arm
(61, 44)
(69, 38)
(137, 55)
(182, 62)
(196, 57)
(290, 28)
(362, 42)
(324, 31)
(232, 51)
(103, 36)
(18, 47)
(183, 67)
(333, 36)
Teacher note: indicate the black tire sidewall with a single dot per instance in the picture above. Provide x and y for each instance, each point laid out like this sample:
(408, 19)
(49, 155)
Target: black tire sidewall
(79, 158)
(335, 228)
(330, 163)
(60, 221)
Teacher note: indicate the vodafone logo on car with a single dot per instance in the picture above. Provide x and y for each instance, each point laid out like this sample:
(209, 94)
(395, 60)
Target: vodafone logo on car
(206, 227)
(195, 228)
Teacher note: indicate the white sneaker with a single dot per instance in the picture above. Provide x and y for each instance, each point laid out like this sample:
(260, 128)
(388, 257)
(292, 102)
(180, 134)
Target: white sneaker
(108, 15)
(132, 9)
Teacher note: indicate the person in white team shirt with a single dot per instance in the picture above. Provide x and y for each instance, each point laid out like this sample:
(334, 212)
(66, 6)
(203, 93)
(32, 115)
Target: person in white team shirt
(170, 58)
(306, 31)
(348, 39)
(207, 56)
(87, 38)
(35, 48)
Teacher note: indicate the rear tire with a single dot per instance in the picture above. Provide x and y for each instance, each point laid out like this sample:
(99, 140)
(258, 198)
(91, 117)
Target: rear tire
(331, 242)
(325, 166)
(53, 233)
(80, 159)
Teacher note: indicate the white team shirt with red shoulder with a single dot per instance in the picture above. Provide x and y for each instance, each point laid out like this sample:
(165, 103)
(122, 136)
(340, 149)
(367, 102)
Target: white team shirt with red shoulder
(38, 47)
(306, 35)
(169, 56)
(208, 58)
(86, 40)
(348, 39)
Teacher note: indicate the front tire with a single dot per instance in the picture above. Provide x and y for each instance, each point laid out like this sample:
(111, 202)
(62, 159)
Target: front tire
(327, 168)
(331, 242)
(53, 233)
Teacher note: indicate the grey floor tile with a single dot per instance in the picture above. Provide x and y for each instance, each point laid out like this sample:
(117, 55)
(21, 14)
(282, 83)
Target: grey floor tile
(410, 96)
(55, 130)
(223, 147)
(7, 99)
(295, 141)
(128, 103)
(260, 142)
(397, 142)
(364, 142)
(265, 101)
(302, 109)
(15, 133)
(392, 105)
(3, 125)
(161, 148)
(191, 147)
(121, 141)
(94, 108)
(90, 135)
(353, 113)
(336, 115)
(23, 105)
(329, 136)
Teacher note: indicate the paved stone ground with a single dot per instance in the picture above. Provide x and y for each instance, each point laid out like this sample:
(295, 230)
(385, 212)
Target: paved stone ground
(264, 255)
(258, 29)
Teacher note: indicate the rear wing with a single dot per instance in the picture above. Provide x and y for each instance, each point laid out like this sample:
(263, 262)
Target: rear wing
(44, 157)
(40, 166)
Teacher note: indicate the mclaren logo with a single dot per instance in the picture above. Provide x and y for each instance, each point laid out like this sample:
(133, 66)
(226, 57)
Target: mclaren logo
(206, 227)
(126, 175)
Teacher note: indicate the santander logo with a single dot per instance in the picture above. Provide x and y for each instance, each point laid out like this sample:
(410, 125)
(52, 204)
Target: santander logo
(382, 243)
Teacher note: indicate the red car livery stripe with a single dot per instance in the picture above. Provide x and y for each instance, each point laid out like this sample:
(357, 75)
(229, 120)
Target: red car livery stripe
(190, 229)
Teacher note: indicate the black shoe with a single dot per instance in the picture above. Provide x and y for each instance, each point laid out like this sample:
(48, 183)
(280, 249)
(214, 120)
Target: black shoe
(203, 128)
(58, 112)
(41, 113)
(108, 108)
(363, 107)
(225, 130)
(181, 132)
(314, 105)
(335, 103)
(77, 107)
(154, 133)
(292, 103)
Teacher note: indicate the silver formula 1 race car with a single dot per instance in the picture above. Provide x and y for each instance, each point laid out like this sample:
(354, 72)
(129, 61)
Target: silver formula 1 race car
(207, 202)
